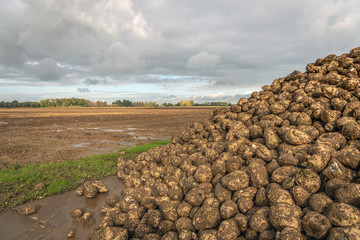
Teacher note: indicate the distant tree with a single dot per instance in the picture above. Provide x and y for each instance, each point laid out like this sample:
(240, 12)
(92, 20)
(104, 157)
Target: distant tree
(100, 103)
(187, 103)
(127, 103)
(123, 103)
(167, 104)
(145, 104)
(15, 103)
(118, 103)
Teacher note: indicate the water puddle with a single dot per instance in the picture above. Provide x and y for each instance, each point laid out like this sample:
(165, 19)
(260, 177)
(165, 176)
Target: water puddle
(75, 129)
(113, 130)
(145, 138)
(80, 145)
(10, 222)
(131, 129)
(3, 123)
(59, 130)
(52, 220)
(105, 149)
(128, 144)
(118, 142)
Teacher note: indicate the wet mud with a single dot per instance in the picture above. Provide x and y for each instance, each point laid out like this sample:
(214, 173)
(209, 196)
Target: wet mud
(53, 219)
(61, 134)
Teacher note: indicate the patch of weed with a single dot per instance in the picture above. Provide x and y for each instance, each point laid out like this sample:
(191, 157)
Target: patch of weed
(131, 153)
(17, 183)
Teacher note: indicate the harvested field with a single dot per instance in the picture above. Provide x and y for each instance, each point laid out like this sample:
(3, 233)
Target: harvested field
(30, 135)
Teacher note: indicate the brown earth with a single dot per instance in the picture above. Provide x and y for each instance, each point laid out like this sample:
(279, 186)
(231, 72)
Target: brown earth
(53, 220)
(30, 135)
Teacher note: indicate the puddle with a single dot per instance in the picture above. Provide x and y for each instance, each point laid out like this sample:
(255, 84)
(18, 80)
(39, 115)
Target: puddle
(9, 225)
(108, 141)
(113, 130)
(75, 128)
(52, 221)
(145, 138)
(118, 142)
(129, 144)
(131, 129)
(132, 133)
(56, 130)
(105, 149)
(3, 123)
(80, 145)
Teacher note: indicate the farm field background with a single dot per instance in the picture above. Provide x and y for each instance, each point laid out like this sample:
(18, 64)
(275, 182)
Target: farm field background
(37, 135)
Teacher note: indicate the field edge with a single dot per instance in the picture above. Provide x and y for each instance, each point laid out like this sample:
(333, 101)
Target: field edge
(17, 182)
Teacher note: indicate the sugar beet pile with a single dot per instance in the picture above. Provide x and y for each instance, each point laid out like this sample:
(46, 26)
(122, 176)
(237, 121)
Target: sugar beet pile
(282, 164)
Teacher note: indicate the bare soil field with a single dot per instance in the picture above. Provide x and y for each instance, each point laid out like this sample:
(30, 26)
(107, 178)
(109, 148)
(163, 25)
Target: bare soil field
(30, 135)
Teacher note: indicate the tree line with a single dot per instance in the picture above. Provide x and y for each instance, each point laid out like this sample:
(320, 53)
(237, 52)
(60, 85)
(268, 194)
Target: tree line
(58, 102)
(72, 102)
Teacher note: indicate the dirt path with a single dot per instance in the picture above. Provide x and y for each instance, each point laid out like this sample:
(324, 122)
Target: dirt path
(58, 134)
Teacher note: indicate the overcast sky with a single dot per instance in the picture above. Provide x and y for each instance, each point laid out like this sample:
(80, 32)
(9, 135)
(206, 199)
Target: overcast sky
(164, 50)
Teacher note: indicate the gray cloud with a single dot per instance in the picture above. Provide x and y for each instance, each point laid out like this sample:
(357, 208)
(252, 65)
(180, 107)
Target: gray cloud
(83, 90)
(202, 47)
(47, 69)
(203, 60)
(118, 58)
(90, 81)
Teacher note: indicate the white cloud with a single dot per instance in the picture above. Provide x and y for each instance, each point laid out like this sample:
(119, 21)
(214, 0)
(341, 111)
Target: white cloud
(216, 95)
(118, 58)
(140, 26)
(333, 24)
(203, 60)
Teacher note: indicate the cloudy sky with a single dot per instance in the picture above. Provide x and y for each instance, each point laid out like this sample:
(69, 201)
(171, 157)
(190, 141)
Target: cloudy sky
(164, 50)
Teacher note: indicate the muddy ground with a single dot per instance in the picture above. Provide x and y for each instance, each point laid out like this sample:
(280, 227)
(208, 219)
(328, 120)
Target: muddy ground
(53, 220)
(31, 135)
(60, 134)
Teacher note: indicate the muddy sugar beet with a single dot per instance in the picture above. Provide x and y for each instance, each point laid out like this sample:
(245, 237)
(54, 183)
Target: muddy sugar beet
(282, 164)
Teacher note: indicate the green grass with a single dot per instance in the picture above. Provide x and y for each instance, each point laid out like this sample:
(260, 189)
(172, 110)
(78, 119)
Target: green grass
(130, 153)
(17, 182)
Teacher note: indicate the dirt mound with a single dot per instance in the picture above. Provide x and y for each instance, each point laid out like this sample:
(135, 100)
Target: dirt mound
(281, 164)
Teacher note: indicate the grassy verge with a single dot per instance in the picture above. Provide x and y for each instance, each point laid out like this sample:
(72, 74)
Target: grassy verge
(17, 183)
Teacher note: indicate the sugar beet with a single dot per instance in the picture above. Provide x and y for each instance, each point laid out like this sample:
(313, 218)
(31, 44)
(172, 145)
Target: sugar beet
(281, 164)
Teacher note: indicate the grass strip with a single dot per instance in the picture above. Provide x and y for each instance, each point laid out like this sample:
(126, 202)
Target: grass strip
(17, 183)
